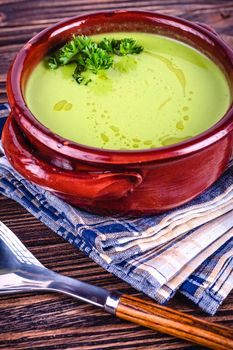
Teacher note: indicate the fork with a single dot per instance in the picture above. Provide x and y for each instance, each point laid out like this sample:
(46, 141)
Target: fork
(20, 271)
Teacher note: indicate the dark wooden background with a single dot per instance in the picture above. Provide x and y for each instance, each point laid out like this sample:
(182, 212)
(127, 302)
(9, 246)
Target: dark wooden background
(51, 321)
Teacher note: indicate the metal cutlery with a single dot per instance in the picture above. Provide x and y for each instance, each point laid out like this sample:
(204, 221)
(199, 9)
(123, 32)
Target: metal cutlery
(20, 271)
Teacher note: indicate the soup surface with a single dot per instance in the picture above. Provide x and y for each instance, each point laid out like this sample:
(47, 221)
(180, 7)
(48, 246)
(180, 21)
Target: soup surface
(168, 93)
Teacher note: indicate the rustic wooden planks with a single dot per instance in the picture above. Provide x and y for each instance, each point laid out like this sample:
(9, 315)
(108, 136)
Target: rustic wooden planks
(50, 321)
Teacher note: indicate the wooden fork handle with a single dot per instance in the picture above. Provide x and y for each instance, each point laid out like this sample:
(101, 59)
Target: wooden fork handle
(175, 323)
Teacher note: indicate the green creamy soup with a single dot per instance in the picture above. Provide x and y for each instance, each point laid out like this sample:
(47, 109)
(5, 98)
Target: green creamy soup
(168, 93)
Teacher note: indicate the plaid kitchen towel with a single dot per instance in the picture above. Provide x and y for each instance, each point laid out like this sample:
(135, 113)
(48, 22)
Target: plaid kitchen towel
(189, 249)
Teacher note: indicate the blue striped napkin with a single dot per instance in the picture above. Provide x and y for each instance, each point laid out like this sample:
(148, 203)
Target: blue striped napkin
(189, 249)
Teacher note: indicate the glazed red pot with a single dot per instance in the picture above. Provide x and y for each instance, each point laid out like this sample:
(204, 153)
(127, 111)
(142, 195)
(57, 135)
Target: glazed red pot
(105, 181)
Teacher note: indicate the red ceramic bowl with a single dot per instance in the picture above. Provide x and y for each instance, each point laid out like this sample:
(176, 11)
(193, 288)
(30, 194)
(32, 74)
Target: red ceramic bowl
(104, 181)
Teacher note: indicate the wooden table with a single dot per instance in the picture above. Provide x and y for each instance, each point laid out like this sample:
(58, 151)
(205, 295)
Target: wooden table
(52, 321)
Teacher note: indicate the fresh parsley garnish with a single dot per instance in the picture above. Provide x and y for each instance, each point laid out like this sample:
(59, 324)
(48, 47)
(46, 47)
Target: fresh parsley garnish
(98, 59)
(91, 56)
(121, 47)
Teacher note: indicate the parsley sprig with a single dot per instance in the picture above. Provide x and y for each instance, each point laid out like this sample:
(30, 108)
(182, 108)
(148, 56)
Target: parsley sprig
(91, 56)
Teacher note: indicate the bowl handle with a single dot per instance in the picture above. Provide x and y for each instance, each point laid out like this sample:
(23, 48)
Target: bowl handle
(83, 184)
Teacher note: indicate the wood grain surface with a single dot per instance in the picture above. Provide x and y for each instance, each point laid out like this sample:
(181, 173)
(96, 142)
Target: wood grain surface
(52, 321)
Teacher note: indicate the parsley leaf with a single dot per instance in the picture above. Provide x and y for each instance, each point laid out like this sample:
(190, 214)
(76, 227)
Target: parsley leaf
(98, 59)
(121, 47)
